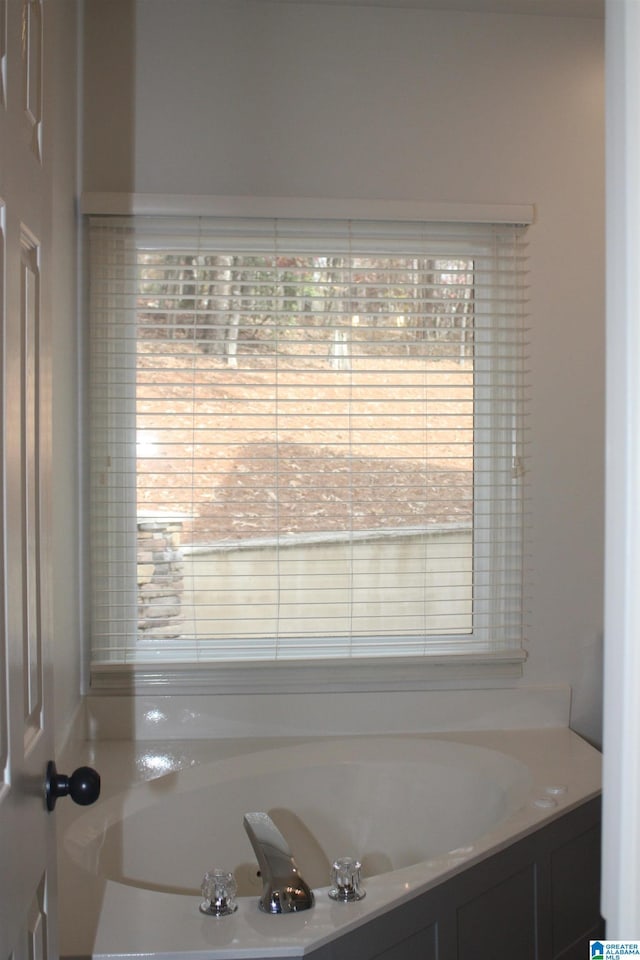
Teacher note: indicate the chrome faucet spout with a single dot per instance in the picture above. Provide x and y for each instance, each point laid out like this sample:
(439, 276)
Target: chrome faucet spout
(283, 889)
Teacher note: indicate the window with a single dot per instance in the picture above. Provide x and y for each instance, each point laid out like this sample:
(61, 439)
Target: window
(306, 442)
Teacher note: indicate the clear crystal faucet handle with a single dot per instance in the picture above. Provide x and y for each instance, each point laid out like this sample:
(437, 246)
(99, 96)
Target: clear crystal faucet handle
(345, 880)
(219, 889)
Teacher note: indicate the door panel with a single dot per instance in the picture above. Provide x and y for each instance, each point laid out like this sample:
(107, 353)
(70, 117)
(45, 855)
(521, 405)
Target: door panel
(29, 342)
(4, 705)
(32, 71)
(3, 51)
(37, 925)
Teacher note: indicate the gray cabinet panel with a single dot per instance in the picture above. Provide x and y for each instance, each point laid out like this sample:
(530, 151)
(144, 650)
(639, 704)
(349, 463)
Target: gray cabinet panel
(501, 922)
(575, 887)
(421, 946)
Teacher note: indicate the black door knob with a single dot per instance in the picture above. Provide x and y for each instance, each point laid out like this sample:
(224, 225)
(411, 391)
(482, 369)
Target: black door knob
(83, 786)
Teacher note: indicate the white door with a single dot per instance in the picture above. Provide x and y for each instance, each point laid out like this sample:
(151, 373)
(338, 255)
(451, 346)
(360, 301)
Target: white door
(27, 850)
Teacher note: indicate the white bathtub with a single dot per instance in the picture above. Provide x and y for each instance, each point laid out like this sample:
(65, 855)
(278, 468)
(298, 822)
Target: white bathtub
(415, 810)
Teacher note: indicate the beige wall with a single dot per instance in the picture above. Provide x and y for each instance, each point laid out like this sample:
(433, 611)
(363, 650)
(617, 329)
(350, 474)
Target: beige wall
(259, 98)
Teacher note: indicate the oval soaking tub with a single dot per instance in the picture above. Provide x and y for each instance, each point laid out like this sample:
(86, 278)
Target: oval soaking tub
(413, 810)
(391, 802)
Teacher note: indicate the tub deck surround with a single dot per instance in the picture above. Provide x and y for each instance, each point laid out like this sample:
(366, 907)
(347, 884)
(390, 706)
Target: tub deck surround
(163, 715)
(540, 776)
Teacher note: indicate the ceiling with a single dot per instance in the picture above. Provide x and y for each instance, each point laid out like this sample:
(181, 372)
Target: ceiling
(554, 8)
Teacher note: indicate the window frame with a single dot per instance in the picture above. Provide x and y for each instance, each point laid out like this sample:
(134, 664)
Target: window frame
(485, 661)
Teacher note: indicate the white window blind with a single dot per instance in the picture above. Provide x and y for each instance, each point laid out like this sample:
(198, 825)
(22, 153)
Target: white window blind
(307, 439)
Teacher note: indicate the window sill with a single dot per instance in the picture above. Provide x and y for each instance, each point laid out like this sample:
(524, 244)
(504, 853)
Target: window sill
(341, 676)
